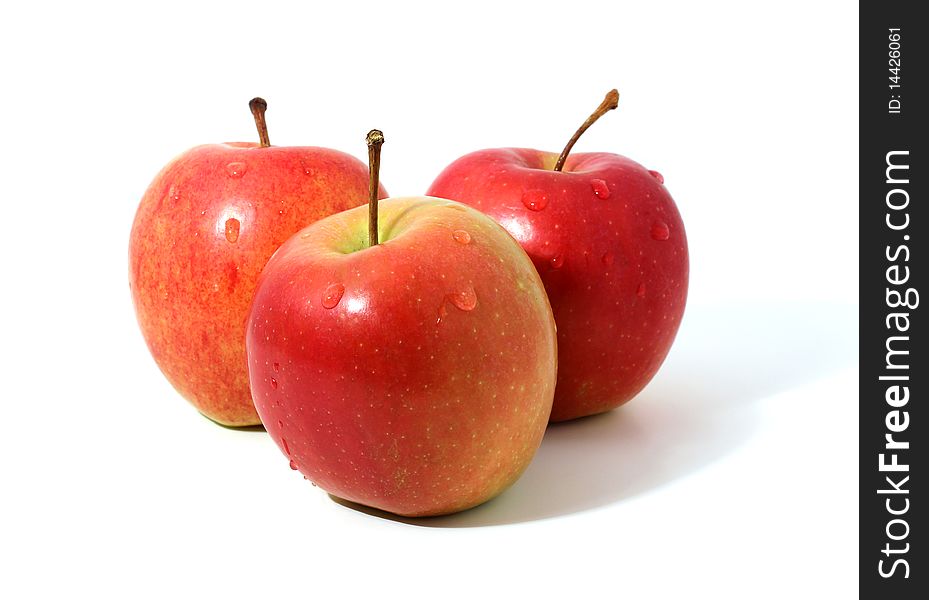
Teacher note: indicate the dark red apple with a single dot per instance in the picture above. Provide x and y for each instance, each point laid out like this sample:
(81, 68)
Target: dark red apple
(609, 244)
(203, 231)
(412, 370)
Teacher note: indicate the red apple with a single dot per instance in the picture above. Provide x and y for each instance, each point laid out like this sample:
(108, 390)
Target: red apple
(609, 244)
(414, 375)
(203, 231)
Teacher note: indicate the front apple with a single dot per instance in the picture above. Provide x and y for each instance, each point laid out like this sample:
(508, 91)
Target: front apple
(415, 375)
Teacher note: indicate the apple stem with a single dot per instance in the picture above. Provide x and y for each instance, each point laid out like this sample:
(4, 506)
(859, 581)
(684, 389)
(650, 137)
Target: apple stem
(375, 139)
(610, 102)
(258, 107)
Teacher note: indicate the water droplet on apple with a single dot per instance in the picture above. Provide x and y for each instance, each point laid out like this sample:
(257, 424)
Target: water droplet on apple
(333, 295)
(600, 188)
(465, 300)
(657, 176)
(607, 258)
(174, 194)
(557, 261)
(535, 199)
(273, 383)
(443, 312)
(293, 465)
(461, 236)
(640, 291)
(660, 231)
(236, 169)
(307, 167)
(276, 367)
(232, 230)
(286, 447)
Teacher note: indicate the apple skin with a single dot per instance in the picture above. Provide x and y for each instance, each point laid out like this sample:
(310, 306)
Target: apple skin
(203, 231)
(426, 388)
(609, 244)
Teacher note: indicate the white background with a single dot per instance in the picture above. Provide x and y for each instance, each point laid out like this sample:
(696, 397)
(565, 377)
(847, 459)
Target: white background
(733, 475)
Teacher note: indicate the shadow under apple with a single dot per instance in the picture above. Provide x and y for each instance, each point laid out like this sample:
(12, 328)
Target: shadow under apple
(700, 407)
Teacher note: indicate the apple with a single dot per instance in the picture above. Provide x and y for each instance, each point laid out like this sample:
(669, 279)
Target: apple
(409, 366)
(203, 231)
(609, 244)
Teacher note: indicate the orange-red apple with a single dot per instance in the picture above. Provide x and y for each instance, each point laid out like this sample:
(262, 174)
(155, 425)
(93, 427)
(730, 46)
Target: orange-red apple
(203, 231)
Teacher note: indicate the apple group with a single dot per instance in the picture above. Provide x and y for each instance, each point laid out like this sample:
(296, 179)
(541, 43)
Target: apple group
(402, 352)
